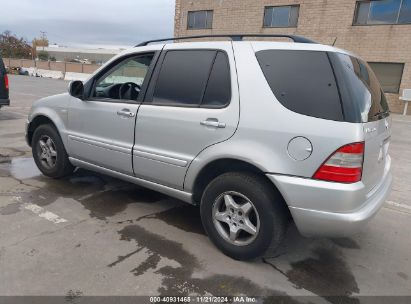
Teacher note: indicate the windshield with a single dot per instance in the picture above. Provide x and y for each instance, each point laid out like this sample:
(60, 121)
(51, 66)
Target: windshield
(362, 97)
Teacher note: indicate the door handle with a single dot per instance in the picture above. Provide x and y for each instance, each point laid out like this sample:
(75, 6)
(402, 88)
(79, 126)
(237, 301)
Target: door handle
(125, 113)
(212, 122)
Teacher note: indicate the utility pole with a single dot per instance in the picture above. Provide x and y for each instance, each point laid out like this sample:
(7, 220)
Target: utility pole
(43, 37)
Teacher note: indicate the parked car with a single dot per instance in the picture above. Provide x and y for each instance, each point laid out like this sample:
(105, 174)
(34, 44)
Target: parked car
(255, 133)
(4, 85)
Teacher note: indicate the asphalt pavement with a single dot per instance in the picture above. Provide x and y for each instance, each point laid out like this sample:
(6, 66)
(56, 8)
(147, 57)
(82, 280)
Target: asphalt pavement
(89, 234)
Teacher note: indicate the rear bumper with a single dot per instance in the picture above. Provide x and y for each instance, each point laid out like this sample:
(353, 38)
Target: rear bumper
(4, 102)
(332, 209)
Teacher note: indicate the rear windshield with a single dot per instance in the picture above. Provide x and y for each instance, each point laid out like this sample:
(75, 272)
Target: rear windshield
(361, 93)
(307, 83)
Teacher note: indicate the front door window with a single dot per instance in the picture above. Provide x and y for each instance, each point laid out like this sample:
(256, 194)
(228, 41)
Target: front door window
(125, 80)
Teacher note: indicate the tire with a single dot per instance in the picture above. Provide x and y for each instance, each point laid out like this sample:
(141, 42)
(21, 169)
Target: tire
(59, 165)
(269, 215)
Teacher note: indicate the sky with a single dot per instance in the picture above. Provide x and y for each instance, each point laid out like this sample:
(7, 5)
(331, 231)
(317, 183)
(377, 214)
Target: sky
(89, 23)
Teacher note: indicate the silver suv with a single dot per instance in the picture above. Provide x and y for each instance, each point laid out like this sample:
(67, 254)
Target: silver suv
(253, 132)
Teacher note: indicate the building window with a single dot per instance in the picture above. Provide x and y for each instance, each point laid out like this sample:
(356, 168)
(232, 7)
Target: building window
(200, 20)
(389, 75)
(383, 12)
(281, 16)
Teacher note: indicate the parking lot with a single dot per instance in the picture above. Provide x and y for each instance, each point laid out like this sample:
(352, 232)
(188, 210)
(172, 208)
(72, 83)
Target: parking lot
(90, 234)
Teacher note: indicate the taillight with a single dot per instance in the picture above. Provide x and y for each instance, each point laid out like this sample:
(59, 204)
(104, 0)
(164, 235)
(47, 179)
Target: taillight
(6, 81)
(344, 165)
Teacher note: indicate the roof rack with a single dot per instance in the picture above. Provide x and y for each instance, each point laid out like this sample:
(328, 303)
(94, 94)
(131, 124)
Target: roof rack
(234, 37)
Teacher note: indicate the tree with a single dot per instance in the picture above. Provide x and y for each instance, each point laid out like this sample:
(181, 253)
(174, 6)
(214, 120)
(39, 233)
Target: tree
(13, 47)
(39, 42)
(43, 55)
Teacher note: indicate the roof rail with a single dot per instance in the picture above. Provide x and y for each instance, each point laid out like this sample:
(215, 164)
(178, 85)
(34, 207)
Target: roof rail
(234, 37)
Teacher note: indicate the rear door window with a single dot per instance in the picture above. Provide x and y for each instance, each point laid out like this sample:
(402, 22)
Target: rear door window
(303, 82)
(193, 78)
(218, 91)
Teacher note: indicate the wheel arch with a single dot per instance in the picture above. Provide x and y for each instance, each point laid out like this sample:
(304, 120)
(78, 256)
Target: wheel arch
(38, 120)
(218, 167)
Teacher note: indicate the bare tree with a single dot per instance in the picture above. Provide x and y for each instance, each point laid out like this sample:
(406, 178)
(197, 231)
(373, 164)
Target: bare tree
(13, 47)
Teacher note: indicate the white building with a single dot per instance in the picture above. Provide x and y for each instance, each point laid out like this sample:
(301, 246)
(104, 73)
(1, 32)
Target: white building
(79, 54)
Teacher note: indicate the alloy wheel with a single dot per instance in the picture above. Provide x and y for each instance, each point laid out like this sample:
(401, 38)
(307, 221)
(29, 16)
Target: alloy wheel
(236, 218)
(47, 152)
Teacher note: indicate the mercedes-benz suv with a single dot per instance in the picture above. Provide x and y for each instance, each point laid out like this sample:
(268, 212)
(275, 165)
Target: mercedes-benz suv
(255, 133)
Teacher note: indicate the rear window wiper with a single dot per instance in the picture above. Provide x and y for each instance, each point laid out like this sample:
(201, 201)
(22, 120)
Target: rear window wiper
(383, 113)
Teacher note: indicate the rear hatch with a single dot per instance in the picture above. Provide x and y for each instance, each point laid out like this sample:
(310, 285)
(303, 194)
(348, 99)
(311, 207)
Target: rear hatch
(333, 86)
(364, 101)
(377, 140)
(4, 92)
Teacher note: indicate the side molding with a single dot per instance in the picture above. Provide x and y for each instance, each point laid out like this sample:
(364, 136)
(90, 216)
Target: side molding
(178, 194)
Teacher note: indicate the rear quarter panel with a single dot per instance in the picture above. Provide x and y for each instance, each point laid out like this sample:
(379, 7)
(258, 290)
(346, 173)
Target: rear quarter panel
(266, 127)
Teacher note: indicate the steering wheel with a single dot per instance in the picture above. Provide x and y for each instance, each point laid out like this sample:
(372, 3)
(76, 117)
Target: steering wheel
(129, 90)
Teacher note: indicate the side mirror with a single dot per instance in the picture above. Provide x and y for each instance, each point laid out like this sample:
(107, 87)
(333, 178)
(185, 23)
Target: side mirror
(76, 89)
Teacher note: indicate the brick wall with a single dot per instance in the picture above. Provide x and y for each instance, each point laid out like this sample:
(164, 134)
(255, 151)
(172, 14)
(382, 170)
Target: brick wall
(57, 66)
(74, 67)
(27, 63)
(321, 20)
(90, 68)
(44, 65)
